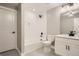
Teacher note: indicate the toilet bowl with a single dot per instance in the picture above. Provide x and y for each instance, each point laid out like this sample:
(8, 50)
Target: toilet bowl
(46, 43)
(46, 46)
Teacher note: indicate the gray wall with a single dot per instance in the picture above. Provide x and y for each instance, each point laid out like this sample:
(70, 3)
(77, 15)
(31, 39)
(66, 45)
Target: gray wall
(53, 21)
(66, 24)
(19, 27)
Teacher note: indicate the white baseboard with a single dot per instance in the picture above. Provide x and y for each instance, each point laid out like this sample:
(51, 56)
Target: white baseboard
(18, 51)
(23, 54)
(30, 48)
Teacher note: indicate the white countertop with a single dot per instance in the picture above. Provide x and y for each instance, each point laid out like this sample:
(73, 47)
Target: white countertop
(67, 36)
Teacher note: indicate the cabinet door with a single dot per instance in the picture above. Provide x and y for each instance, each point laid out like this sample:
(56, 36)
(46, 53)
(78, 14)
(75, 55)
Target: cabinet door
(60, 47)
(73, 50)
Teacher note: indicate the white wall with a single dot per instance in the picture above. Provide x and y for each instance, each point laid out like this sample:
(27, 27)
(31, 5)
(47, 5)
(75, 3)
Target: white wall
(33, 26)
(53, 21)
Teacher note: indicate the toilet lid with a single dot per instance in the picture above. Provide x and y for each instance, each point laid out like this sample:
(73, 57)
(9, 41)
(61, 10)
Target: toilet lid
(47, 42)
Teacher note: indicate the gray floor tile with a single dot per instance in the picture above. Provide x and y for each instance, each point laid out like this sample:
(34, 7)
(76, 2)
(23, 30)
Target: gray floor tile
(13, 52)
(42, 52)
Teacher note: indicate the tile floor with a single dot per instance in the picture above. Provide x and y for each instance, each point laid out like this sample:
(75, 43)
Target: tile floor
(42, 52)
(13, 52)
(39, 52)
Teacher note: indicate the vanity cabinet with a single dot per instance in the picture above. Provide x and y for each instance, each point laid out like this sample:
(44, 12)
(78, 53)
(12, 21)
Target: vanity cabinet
(66, 46)
(74, 50)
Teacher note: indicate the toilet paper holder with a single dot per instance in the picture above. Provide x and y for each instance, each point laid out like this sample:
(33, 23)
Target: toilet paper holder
(41, 34)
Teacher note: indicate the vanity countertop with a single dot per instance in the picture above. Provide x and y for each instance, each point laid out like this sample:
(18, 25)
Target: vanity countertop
(67, 36)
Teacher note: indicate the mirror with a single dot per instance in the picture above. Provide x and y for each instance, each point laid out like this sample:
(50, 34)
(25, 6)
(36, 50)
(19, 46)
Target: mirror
(69, 21)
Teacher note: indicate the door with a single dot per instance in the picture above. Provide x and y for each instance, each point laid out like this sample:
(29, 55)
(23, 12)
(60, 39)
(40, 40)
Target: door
(7, 30)
(60, 48)
(73, 50)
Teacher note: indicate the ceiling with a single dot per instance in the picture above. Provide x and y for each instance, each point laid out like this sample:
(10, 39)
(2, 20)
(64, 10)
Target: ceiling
(41, 6)
(31, 6)
(10, 5)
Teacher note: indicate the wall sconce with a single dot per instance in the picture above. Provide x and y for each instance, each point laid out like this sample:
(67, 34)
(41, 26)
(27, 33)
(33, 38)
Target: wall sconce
(40, 16)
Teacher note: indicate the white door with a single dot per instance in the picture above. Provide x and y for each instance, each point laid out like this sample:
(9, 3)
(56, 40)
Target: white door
(60, 48)
(7, 30)
(73, 50)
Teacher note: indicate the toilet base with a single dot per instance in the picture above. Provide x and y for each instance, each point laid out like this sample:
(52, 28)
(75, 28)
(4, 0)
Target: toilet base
(47, 49)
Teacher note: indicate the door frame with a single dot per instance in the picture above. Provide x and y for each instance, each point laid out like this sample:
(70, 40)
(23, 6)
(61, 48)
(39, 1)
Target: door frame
(15, 11)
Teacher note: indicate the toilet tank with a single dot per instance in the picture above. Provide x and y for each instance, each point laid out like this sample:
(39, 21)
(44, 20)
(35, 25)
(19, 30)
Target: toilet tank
(50, 37)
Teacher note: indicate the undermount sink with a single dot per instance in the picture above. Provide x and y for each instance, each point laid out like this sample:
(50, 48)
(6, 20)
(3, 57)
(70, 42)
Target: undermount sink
(76, 36)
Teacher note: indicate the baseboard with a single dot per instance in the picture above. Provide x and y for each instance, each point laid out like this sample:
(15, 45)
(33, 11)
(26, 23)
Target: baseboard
(23, 54)
(18, 51)
(31, 48)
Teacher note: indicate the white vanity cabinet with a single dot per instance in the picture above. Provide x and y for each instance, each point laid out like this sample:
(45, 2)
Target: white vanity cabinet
(66, 46)
(74, 50)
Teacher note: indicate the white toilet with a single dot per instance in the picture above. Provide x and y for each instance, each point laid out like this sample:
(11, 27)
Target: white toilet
(47, 43)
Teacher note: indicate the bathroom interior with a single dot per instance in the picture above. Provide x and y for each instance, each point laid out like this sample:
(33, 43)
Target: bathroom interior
(47, 29)
(54, 28)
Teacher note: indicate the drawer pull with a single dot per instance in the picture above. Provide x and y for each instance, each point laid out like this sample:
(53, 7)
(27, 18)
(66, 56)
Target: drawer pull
(66, 47)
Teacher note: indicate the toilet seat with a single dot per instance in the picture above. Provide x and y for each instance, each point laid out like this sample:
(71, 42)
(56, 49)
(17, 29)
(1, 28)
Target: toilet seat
(46, 43)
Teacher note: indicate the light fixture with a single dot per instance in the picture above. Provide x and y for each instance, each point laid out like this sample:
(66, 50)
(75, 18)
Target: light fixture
(33, 9)
(67, 4)
(66, 7)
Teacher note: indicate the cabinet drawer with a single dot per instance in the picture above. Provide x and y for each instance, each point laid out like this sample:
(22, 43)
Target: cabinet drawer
(67, 40)
(60, 39)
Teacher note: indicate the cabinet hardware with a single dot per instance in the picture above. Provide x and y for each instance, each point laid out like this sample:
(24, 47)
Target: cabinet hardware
(69, 48)
(66, 47)
(13, 32)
